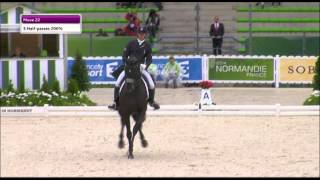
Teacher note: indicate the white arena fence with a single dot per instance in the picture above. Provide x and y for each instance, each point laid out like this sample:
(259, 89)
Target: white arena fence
(166, 110)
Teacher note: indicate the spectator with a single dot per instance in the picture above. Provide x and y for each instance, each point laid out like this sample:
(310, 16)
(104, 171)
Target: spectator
(131, 28)
(126, 4)
(276, 3)
(152, 23)
(159, 5)
(260, 4)
(101, 33)
(153, 70)
(216, 32)
(133, 24)
(18, 53)
(130, 14)
(120, 32)
(171, 71)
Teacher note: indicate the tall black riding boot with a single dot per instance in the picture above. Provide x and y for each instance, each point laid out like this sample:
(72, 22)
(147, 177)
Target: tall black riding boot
(151, 99)
(115, 105)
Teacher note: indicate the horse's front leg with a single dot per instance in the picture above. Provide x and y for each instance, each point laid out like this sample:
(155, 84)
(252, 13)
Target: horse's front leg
(129, 136)
(144, 142)
(137, 126)
(121, 143)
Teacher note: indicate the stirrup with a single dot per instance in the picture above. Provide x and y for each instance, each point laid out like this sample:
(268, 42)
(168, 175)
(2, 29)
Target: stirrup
(113, 106)
(154, 105)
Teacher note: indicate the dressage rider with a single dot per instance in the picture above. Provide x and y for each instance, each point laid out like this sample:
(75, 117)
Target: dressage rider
(141, 49)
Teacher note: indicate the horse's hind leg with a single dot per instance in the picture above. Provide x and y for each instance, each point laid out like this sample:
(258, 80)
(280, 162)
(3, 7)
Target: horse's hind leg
(121, 143)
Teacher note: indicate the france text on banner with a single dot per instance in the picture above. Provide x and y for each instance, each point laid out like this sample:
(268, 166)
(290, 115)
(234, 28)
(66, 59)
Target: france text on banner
(241, 69)
(297, 69)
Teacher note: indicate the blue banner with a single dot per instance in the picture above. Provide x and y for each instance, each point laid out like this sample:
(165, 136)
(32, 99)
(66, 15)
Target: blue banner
(100, 71)
(191, 68)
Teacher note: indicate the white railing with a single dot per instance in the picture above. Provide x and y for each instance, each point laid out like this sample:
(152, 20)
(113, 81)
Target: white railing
(166, 110)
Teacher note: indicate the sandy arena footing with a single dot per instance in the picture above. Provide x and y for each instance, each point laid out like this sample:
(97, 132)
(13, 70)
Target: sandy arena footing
(215, 146)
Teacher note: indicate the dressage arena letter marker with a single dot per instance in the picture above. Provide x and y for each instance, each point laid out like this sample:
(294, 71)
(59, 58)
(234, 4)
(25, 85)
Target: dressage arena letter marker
(50, 24)
(206, 97)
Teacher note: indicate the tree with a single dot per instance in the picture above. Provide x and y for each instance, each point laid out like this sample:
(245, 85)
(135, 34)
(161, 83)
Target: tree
(79, 73)
(73, 87)
(316, 77)
(10, 87)
(45, 85)
(56, 86)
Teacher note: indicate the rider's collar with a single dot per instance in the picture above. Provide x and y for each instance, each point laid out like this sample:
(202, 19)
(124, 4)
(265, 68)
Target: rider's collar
(140, 42)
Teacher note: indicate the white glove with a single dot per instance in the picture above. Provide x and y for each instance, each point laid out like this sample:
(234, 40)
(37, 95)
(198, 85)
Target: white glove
(142, 67)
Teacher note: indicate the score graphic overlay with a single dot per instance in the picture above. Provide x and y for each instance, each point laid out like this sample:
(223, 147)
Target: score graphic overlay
(50, 24)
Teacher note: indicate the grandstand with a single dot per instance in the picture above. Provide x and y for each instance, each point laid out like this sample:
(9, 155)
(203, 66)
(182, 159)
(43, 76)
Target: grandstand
(281, 30)
(294, 24)
(301, 17)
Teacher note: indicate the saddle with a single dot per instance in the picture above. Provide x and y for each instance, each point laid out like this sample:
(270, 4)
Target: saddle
(130, 81)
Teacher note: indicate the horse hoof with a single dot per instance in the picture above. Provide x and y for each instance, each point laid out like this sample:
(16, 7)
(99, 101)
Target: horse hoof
(121, 144)
(144, 143)
(130, 156)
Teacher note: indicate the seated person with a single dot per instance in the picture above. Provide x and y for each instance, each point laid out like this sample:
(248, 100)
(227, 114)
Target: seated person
(261, 4)
(18, 53)
(171, 71)
(120, 31)
(131, 13)
(126, 4)
(276, 3)
(101, 33)
(153, 72)
(152, 23)
(133, 25)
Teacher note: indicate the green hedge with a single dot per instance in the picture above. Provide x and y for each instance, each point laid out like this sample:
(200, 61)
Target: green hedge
(283, 45)
(40, 98)
(104, 20)
(281, 9)
(95, 10)
(312, 100)
(242, 50)
(242, 39)
(316, 77)
(46, 95)
(279, 20)
(102, 46)
(279, 29)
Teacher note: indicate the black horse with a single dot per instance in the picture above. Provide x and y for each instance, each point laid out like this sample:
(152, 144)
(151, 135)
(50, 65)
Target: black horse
(132, 102)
